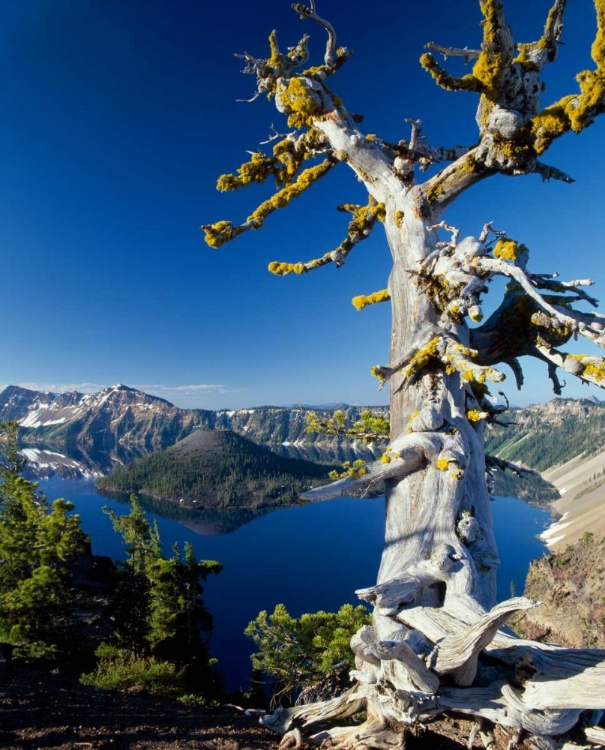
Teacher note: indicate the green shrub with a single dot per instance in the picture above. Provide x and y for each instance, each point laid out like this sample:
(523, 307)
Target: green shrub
(307, 657)
(119, 669)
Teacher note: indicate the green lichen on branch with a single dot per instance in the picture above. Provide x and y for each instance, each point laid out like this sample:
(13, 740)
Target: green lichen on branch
(258, 169)
(476, 415)
(378, 372)
(217, 234)
(425, 356)
(304, 99)
(364, 300)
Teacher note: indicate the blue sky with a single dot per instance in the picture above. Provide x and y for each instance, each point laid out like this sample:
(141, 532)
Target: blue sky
(118, 116)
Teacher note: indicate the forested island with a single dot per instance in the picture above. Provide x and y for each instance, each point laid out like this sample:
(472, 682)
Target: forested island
(216, 469)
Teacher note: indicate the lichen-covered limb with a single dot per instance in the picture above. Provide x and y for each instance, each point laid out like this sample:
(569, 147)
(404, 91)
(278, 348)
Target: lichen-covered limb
(442, 352)
(576, 111)
(434, 195)
(447, 81)
(363, 300)
(359, 229)
(583, 366)
(413, 452)
(224, 231)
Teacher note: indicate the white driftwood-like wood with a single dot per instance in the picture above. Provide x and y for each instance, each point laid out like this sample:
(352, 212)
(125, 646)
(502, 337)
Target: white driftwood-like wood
(457, 655)
(596, 735)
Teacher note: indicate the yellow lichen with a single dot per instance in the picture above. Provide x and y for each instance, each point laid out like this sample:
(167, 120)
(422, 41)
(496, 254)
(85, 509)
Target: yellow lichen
(371, 299)
(594, 367)
(476, 415)
(444, 79)
(257, 169)
(398, 219)
(217, 234)
(380, 212)
(299, 102)
(283, 269)
(576, 111)
(283, 197)
(412, 418)
(385, 458)
(423, 357)
(377, 372)
(507, 249)
(443, 464)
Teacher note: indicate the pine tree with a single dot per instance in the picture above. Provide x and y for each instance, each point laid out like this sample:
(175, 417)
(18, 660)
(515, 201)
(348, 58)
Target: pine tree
(40, 543)
(158, 610)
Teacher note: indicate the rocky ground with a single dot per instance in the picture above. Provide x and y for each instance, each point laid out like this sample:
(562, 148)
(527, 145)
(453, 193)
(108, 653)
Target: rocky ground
(571, 587)
(51, 712)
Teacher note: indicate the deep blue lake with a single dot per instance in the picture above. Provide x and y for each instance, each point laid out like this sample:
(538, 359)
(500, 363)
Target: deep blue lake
(300, 556)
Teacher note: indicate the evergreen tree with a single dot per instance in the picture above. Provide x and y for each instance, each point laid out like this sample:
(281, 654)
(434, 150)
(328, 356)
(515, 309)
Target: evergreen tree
(158, 611)
(39, 546)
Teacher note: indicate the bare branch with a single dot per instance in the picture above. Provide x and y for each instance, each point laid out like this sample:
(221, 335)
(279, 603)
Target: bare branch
(515, 366)
(552, 173)
(587, 324)
(556, 383)
(466, 53)
(500, 463)
(330, 53)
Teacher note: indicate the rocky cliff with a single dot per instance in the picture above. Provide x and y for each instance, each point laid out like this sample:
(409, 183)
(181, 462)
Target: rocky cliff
(571, 587)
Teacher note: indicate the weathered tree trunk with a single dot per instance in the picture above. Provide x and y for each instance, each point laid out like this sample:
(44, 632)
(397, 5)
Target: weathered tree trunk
(435, 611)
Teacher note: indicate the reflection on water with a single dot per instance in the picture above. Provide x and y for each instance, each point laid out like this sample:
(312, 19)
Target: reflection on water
(299, 556)
(45, 461)
(201, 521)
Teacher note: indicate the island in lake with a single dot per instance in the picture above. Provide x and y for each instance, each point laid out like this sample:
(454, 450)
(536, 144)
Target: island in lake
(216, 469)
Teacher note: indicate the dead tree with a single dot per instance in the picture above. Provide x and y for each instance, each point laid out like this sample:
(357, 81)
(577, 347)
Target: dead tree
(436, 644)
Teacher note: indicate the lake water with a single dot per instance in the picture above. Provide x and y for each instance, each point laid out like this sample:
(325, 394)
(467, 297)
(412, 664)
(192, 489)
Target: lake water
(301, 556)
